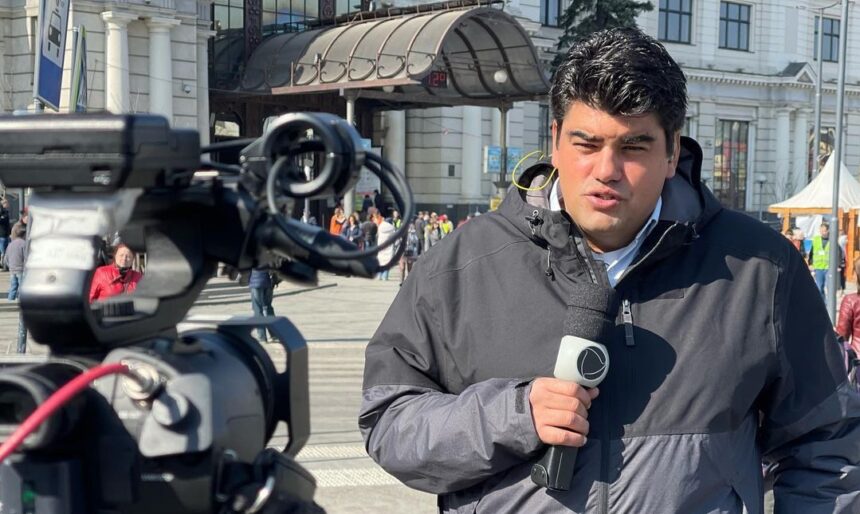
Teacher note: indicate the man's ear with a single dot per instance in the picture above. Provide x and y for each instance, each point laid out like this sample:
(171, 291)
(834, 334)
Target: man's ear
(554, 130)
(676, 154)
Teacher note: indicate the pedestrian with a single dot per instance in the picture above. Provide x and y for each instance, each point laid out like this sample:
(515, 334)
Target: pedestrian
(432, 233)
(262, 288)
(819, 256)
(352, 230)
(411, 251)
(338, 219)
(369, 230)
(385, 231)
(366, 204)
(117, 277)
(848, 324)
(722, 354)
(5, 226)
(15, 259)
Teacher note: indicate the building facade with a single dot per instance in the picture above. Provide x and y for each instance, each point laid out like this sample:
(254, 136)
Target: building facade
(751, 72)
(142, 56)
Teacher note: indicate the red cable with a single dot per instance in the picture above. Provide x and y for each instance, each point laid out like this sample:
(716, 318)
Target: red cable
(55, 402)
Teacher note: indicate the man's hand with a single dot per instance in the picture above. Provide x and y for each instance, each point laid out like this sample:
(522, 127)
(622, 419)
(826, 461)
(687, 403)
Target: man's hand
(560, 411)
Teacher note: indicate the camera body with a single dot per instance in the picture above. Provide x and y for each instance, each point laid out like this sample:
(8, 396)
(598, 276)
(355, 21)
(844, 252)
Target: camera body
(185, 430)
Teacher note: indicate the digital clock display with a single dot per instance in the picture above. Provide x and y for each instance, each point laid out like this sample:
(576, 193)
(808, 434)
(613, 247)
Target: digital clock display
(436, 79)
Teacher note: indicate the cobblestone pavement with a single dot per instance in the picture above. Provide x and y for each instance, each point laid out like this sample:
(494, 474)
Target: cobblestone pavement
(337, 317)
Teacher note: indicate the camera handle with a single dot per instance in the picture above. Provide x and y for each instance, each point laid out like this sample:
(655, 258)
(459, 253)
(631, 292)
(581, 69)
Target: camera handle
(273, 483)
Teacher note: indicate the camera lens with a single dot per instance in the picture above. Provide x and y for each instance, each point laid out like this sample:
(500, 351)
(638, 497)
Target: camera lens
(15, 404)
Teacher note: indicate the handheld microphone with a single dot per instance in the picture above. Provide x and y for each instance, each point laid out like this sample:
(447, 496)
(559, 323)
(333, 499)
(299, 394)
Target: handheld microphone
(586, 363)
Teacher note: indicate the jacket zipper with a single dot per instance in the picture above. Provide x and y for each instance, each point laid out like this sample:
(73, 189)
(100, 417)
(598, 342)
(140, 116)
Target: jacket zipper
(627, 316)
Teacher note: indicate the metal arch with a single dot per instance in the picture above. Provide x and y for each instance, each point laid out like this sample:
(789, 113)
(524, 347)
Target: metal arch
(325, 52)
(355, 46)
(475, 60)
(453, 80)
(385, 42)
(301, 54)
(269, 65)
(501, 47)
(415, 37)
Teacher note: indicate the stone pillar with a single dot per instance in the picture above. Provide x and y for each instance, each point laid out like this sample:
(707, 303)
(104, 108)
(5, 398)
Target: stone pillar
(116, 60)
(470, 161)
(203, 126)
(161, 66)
(801, 148)
(395, 138)
(783, 154)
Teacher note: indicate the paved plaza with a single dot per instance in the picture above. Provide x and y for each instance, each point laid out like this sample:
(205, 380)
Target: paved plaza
(337, 317)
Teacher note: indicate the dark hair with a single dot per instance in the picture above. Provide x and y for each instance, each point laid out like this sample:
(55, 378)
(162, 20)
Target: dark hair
(622, 72)
(826, 225)
(19, 230)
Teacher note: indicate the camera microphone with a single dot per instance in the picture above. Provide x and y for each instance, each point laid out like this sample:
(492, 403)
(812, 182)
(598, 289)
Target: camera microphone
(582, 360)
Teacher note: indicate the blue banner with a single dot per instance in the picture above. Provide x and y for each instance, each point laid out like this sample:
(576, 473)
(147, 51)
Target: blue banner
(51, 41)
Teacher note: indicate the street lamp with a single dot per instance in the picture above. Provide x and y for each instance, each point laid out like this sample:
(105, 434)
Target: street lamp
(760, 180)
(837, 163)
(818, 79)
(500, 77)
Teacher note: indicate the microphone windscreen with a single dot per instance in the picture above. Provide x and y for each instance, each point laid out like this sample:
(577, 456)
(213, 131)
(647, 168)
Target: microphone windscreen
(591, 312)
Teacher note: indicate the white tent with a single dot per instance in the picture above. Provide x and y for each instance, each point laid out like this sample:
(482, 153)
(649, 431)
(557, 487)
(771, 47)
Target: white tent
(817, 199)
(819, 192)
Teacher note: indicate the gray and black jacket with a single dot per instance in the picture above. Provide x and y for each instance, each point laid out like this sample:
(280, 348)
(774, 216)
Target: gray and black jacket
(722, 356)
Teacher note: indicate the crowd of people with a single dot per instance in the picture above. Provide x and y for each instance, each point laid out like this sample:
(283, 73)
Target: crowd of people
(369, 227)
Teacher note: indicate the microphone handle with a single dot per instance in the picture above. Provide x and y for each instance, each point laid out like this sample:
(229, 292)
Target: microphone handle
(555, 469)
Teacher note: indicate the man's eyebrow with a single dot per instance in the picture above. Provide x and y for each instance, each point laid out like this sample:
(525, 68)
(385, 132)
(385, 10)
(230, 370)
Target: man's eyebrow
(584, 136)
(640, 138)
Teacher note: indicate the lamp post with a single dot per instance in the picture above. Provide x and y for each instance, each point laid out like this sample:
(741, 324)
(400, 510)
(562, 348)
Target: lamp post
(837, 164)
(760, 180)
(818, 81)
(500, 77)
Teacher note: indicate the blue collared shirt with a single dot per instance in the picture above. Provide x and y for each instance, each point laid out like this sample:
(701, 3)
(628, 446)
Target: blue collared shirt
(616, 261)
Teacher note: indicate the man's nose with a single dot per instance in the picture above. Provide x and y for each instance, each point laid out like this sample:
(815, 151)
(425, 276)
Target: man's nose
(608, 165)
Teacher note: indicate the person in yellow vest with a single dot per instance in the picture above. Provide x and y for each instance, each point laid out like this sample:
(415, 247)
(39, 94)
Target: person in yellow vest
(819, 256)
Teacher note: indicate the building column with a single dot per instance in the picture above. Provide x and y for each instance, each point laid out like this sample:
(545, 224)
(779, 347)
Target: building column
(395, 138)
(116, 60)
(801, 148)
(470, 157)
(203, 125)
(161, 66)
(3, 88)
(783, 154)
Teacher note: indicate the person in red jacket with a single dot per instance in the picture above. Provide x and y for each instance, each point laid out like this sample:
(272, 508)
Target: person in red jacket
(848, 324)
(116, 278)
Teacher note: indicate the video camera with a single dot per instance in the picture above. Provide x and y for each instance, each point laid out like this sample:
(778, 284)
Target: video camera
(179, 417)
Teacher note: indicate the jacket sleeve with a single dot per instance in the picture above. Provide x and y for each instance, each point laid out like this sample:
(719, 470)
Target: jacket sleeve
(810, 416)
(845, 323)
(427, 437)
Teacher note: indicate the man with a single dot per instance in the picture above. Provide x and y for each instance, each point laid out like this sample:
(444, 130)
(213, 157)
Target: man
(116, 278)
(721, 352)
(5, 225)
(819, 256)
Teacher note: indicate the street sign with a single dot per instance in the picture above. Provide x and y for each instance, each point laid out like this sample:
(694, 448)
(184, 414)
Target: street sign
(51, 43)
(78, 86)
(492, 159)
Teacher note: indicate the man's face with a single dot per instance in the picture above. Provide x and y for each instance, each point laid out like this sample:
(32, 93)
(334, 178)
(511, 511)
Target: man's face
(611, 171)
(123, 257)
(824, 231)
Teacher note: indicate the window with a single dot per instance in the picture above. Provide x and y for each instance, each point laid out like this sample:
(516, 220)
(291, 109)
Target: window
(675, 16)
(544, 133)
(826, 143)
(730, 163)
(830, 40)
(228, 14)
(550, 11)
(288, 15)
(734, 26)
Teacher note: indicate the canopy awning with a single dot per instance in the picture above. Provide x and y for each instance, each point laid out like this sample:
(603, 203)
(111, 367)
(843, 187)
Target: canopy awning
(818, 194)
(473, 55)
